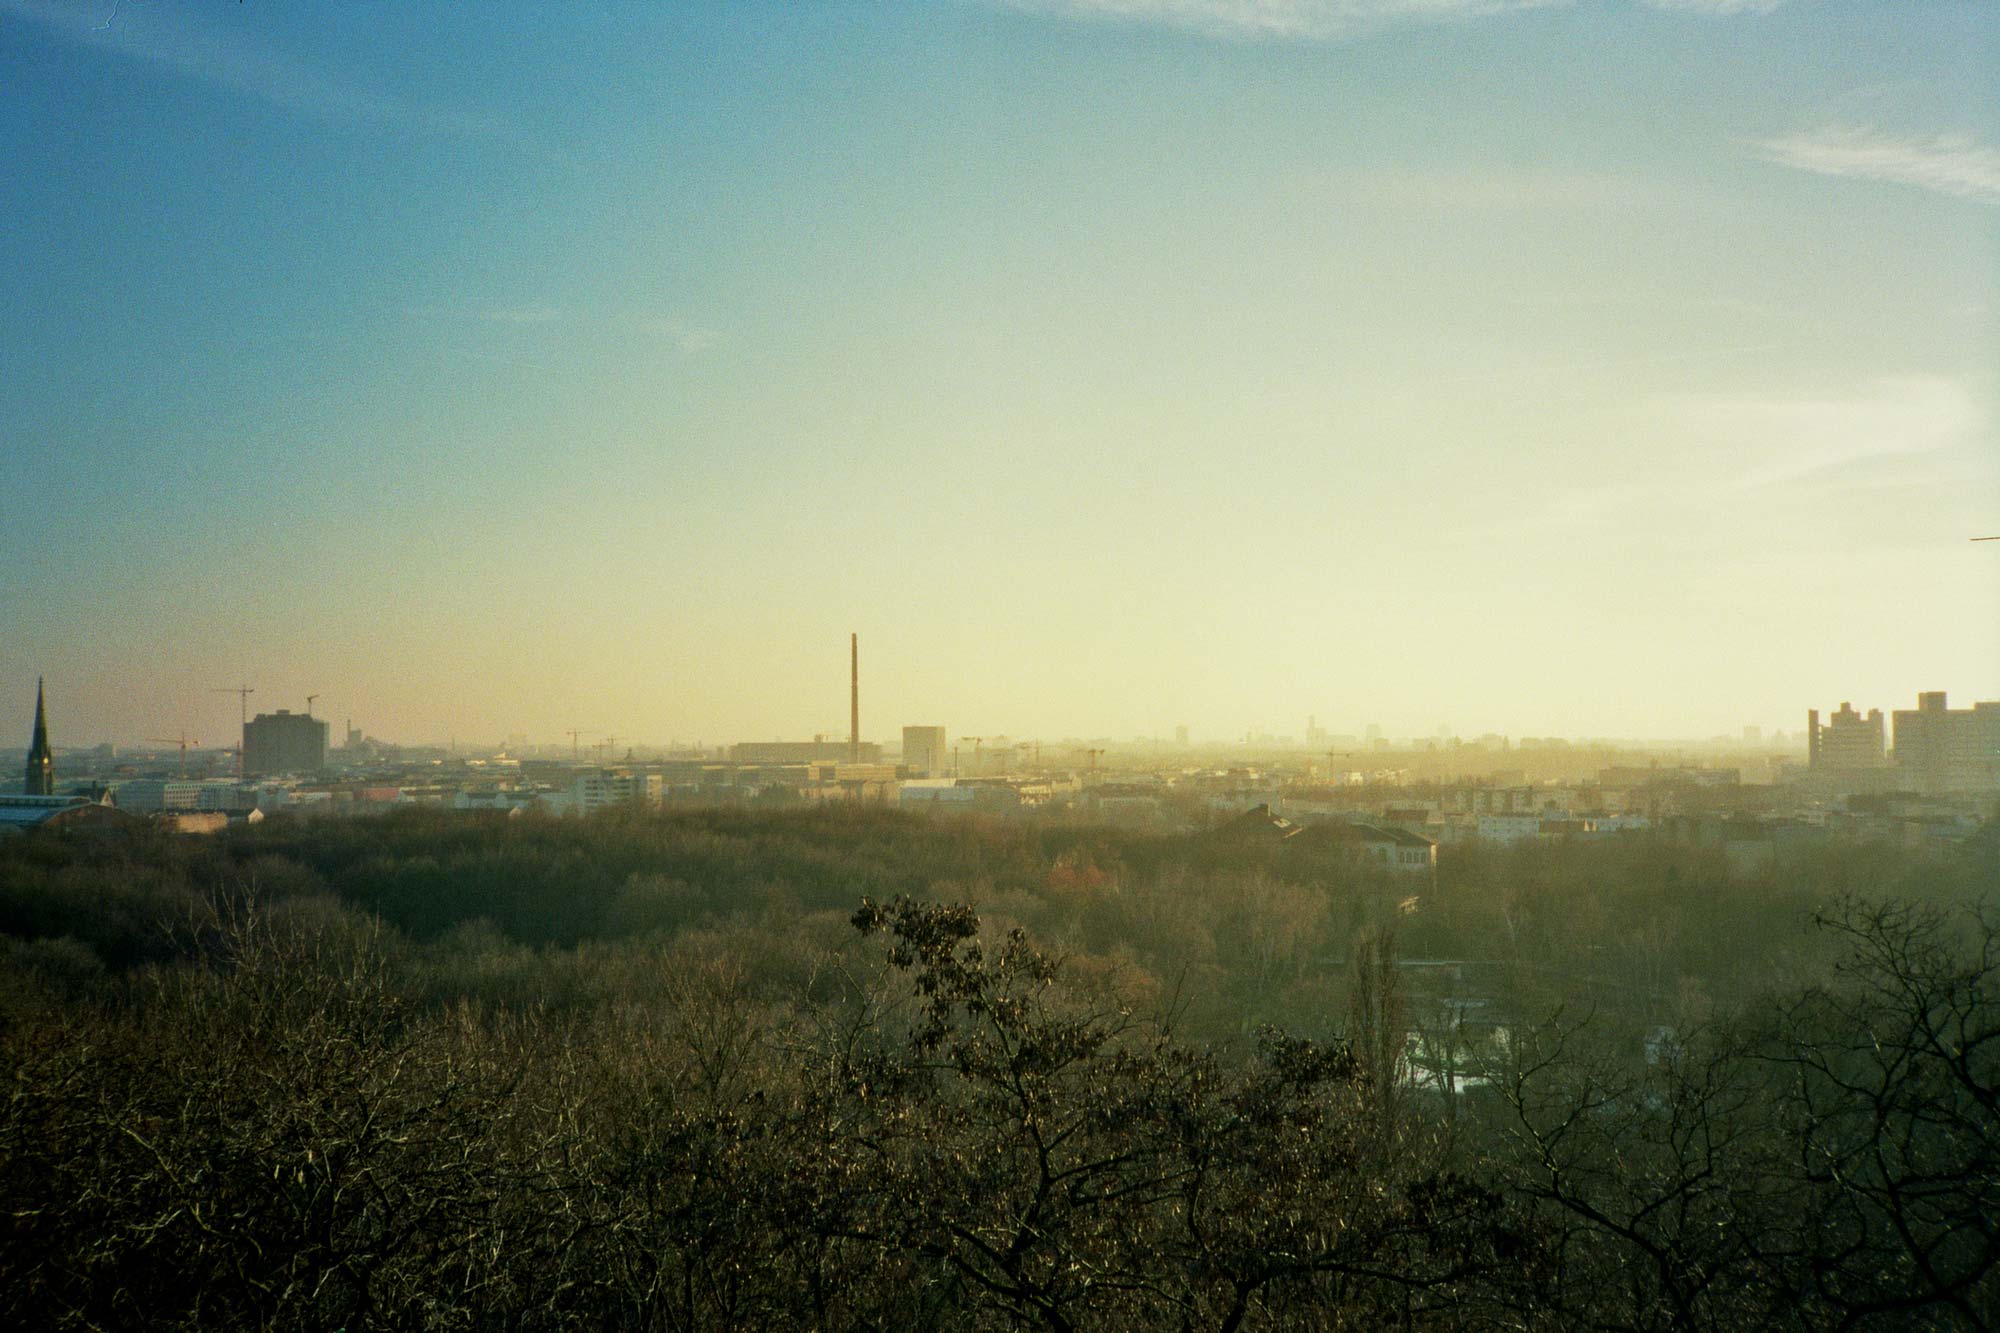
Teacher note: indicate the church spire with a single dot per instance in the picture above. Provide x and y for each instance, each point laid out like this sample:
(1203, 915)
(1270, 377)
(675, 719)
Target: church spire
(41, 779)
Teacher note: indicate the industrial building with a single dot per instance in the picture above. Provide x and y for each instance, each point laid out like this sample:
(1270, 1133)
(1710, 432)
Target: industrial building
(819, 750)
(283, 742)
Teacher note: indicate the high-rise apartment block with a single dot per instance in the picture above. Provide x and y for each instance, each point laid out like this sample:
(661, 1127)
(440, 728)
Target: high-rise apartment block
(924, 753)
(1846, 741)
(1941, 749)
(284, 742)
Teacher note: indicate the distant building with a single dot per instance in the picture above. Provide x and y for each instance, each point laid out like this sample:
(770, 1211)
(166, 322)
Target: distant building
(597, 790)
(943, 792)
(1509, 826)
(153, 795)
(41, 775)
(283, 742)
(1401, 850)
(1847, 741)
(819, 751)
(1940, 749)
(924, 752)
(21, 814)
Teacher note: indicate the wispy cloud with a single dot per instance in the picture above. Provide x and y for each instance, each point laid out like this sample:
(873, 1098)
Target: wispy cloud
(518, 315)
(1722, 7)
(1791, 438)
(1764, 459)
(1313, 19)
(686, 337)
(682, 334)
(1953, 164)
(222, 51)
(1570, 368)
(1321, 20)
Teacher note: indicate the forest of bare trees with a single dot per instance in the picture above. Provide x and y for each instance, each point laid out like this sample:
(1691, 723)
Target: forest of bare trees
(848, 1069)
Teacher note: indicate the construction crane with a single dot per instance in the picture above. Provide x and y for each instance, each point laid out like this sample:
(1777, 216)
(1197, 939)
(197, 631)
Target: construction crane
(575, 753)
(183, 742)
(1333, 770)
(242, 693)
(606, 746)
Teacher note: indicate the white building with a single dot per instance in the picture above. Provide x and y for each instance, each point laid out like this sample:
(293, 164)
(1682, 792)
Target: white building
(151, 795)
(594, 791)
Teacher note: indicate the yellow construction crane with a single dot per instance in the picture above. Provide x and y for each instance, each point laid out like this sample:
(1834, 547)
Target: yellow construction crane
(183, 742)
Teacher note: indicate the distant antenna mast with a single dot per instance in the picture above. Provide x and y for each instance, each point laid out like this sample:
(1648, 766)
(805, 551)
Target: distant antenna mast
(853, 698)
(242, 693)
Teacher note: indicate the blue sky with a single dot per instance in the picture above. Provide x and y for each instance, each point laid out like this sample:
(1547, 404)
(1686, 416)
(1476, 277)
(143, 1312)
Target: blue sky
(1590, 368)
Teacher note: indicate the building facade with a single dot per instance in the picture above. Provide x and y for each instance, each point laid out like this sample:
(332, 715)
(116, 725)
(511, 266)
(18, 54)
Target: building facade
(1846, 741)
(924, 752)
(1942, 750)
(283, 742)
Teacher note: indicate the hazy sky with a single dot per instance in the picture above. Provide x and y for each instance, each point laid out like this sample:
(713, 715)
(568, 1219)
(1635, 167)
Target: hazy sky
(1547, 368)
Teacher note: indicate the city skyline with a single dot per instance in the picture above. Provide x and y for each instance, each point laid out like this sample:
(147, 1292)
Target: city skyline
(1596, 369)
(1305, 740)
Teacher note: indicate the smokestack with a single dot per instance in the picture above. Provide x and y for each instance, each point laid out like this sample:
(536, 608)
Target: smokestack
(854, 698)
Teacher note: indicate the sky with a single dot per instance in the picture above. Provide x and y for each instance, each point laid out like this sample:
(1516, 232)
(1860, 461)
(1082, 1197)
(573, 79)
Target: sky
(1600, 368)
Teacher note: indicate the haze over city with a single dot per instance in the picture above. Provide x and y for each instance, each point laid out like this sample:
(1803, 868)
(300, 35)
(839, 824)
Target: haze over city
(1594, 369)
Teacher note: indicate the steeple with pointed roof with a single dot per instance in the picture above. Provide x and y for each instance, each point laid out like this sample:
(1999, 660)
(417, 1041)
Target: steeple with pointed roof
(41, 779)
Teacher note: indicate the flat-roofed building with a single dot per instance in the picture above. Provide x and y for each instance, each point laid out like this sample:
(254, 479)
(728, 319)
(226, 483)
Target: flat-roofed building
(284, 742)
(596, 790)
(1941, 749)
(924, 752)
(1847, 740)
(818, 750)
